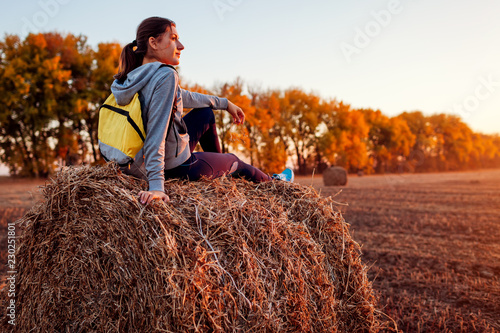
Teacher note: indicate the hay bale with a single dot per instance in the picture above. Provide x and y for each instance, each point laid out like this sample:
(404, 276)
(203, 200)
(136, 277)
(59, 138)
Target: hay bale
(223, 256)
(335, 176)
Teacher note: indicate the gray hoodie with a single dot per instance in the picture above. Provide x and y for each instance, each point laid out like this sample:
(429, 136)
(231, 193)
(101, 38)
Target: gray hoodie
(159, 85)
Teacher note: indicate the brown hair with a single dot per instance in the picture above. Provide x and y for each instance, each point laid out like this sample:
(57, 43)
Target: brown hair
(130, 59)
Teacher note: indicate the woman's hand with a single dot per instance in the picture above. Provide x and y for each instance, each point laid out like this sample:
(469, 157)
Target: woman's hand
(236, 112)
(147, 196)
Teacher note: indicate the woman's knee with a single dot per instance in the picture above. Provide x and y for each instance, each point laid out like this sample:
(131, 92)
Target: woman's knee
(205, 113)
(235, 163)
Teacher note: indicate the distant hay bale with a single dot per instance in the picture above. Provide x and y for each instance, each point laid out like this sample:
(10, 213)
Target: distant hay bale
(224, 255)
(335, 176)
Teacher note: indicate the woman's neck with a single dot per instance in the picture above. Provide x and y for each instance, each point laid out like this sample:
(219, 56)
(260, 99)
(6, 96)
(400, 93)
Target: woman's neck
(148, 60)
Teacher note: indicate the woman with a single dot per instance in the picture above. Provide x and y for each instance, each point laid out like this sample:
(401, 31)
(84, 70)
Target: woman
(145, 65)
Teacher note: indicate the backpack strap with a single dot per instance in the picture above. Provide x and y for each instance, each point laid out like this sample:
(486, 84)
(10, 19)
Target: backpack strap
(141, 100)
(174, 108)
(172, 115)
(129, 119)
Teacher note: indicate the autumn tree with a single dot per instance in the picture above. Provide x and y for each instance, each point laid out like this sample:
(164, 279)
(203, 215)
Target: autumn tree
(379, 140)
(453, 141)
(400, 145)
(231, 135)
(482, 152)
(34, 92)
(269, 148)
(300, 118)
(76, 57)
(104, 66)
(486, 150)
(345, 142)
(51, 88)
(424, 153)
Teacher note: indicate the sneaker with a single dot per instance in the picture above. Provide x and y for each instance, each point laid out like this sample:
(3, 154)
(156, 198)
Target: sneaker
(287, 175)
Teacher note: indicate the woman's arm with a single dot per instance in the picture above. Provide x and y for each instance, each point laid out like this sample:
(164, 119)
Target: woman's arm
(158, 116)
(196, 100)
(193, 100)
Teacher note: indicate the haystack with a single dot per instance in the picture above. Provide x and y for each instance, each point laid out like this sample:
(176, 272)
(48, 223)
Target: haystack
(335, 176)
(223, 255)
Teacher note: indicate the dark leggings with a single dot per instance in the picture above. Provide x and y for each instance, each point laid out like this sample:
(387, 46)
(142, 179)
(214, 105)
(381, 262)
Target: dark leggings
(211, 162)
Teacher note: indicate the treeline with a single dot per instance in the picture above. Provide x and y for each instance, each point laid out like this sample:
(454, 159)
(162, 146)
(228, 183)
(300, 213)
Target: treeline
(52, 85)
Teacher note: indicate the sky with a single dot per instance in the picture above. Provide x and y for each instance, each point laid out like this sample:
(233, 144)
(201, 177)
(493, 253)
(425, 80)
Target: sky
(434, 56)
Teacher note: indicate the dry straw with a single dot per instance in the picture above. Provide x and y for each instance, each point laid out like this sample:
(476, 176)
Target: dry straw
(224, 255)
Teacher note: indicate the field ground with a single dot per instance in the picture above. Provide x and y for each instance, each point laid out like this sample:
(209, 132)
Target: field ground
(19, 192)
(432, 242)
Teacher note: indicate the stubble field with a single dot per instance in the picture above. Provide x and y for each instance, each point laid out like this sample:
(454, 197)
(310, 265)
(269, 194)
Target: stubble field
(432, 242)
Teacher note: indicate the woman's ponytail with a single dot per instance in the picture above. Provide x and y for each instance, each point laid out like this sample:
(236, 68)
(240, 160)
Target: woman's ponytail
(133, 53)
(129, 60)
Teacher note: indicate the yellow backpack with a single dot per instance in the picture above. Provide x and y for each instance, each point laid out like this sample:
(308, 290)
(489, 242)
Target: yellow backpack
(121, 130)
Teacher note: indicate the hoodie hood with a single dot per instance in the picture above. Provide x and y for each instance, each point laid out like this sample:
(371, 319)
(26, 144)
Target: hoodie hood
(136, 80)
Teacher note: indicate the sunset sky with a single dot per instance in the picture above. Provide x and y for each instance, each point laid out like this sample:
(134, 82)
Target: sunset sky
(433, 56)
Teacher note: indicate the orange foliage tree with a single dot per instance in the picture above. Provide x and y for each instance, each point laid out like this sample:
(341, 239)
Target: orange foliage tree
(345, 143)
(51, 87)
(300, 116)
(270, 150)
(34, 91)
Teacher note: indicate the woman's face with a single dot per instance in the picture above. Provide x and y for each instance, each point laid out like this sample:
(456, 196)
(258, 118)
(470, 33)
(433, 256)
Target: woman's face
(168, 47)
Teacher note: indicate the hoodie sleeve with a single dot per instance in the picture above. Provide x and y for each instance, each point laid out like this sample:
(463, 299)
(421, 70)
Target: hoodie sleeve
(197, 100)
(158, 117)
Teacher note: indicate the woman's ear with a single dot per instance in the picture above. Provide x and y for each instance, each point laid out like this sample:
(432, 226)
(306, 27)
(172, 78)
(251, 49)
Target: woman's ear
(152, 43)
